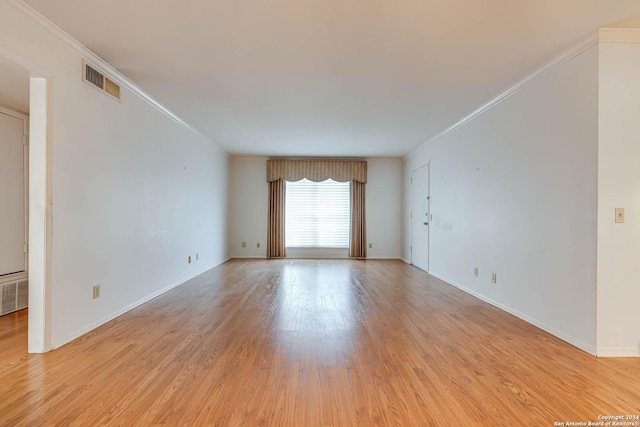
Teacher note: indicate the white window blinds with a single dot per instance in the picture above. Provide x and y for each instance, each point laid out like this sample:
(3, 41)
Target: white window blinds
(317, 214)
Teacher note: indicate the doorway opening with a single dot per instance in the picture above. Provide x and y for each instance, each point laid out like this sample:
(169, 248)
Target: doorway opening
(25, 220)
(14, 126)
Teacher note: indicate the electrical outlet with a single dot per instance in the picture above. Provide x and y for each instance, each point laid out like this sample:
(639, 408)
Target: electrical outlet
(494, 278)
(189, 259)
(257, 245)
(244, 244)
(370, 245)
(475, 271)
(197, 256)
(96, 291)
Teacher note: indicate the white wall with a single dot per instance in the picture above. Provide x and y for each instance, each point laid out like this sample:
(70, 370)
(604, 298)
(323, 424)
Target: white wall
(619, 187)
(384, 208)
(133, 192)
(248, 207)
(514, 192)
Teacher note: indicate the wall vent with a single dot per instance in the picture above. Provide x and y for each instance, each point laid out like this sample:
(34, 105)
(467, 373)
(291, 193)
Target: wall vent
(98, 80)
(14, 296)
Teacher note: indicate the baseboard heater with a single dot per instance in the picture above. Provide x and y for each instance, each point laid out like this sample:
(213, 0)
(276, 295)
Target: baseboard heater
(14, 296)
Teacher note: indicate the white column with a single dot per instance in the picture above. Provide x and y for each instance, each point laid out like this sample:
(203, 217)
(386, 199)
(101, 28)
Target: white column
(39, 221)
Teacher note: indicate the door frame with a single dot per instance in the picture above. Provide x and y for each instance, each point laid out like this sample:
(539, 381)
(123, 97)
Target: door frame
(428, 243)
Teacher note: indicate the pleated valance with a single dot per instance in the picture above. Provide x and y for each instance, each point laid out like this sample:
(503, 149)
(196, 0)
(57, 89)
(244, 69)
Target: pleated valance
(317, 170)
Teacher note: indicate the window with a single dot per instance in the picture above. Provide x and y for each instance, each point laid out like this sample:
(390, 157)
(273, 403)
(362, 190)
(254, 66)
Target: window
(317, 214)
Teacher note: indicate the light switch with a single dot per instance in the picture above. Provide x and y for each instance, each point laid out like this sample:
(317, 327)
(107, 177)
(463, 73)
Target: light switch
(619, 215)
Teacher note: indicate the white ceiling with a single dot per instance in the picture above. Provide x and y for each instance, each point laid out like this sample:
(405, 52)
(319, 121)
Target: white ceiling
(328, 77)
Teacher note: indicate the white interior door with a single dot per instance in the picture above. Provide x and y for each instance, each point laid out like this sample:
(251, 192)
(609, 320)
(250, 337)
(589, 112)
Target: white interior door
(12, 215)
(420, 217)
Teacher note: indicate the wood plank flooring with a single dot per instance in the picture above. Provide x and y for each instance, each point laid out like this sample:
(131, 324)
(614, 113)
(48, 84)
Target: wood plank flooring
(311, 343)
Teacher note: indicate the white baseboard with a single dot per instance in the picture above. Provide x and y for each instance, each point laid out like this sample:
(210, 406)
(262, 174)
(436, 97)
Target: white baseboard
(248, 257)
(57, 343)
(535, 322)
(618, 352)
(263, 257)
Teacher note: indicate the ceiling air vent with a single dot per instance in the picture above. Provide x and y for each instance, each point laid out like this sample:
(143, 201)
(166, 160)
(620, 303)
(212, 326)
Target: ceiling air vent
(98, 80)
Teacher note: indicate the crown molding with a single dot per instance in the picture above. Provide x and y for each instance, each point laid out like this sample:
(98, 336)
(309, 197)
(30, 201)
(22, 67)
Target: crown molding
(588, 42)
(619, 35)
(39, 20)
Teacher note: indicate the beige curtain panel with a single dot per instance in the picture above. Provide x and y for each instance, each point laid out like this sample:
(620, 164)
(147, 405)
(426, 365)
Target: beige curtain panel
(275, 237)
(317, 170)
(358, 240)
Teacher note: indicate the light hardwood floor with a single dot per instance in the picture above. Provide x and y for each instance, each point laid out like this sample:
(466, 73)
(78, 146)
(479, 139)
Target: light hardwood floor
(311, 343)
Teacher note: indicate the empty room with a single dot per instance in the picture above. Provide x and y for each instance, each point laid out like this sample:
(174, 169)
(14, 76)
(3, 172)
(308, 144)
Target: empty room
(321, 213)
